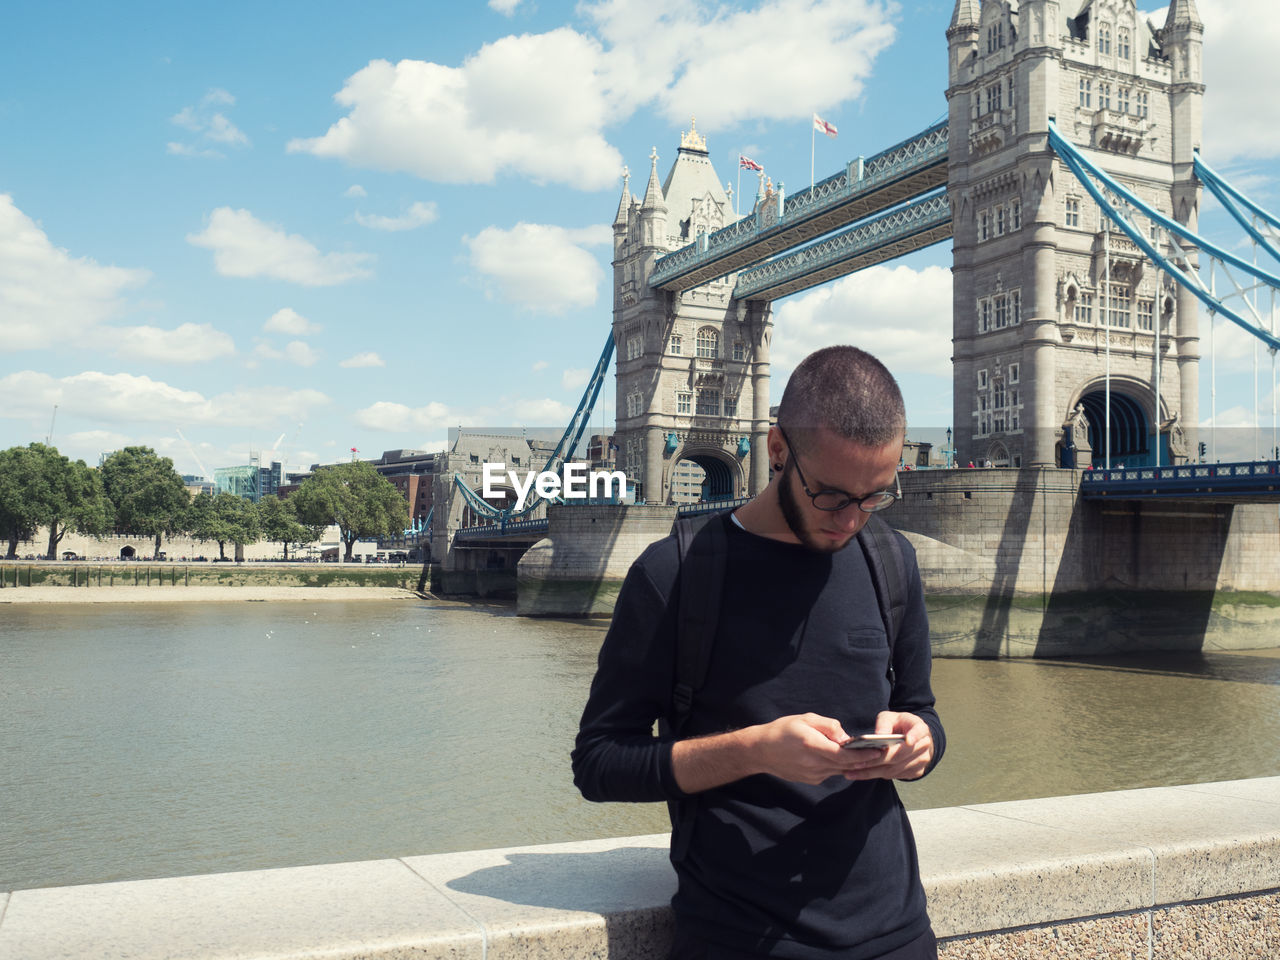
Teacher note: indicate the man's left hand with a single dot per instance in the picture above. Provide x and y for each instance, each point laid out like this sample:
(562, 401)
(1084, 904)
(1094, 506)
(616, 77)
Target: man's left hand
(903, 761)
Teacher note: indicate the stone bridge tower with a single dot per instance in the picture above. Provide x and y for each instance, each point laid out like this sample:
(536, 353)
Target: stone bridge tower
(693, 367)
(1040, 286)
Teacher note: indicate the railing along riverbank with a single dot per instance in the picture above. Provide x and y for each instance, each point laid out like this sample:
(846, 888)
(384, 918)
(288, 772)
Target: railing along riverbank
(23, 574)
(1190, 871)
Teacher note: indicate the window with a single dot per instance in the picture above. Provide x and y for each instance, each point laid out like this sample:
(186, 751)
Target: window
(1121, 301)
(1104, 38)
(1000, 215)
(1015, 306)
(982, 404)
(677, 344)
(635, 346)
(684, 403)
(1104, 96)
(635, 405)
(1013, 378)
(1084, 308)
(1073, 212)
(995, 37)
(708, 343)
(1086, 92)
(1002, 312)
(1122, 99)
(708, 403)
(984, 316)
(982, 379)
(730, 406)
(995, 97)
(999, 397)
(1142, 105)
(739, 350)
(1015, 215)
(1146, 314)
(1122, 43)
(984, 226)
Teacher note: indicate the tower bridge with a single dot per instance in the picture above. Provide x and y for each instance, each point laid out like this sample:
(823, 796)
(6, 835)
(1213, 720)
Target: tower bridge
(1067, 178)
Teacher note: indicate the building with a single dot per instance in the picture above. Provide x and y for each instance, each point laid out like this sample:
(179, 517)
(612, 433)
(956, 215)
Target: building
(412, 472)
(251, 481)
(692, 367)
(1047, 298)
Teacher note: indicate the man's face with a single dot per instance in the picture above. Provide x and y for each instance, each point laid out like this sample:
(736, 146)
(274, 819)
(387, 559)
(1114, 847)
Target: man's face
(830, 462)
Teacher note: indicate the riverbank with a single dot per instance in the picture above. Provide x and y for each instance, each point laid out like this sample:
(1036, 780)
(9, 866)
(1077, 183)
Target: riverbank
(205, 593)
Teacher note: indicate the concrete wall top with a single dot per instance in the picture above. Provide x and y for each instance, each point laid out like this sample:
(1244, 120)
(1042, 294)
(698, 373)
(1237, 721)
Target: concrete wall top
(987, 868)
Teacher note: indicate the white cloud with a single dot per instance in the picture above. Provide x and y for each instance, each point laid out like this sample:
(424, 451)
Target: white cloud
(188, 343)
(540, 266)
(1240, 114)
(530, 105)
(47, 296)
(398, 418)
(899, 314)
(209, 124)
(300, 353)
(289, 321)
(504, 7)
(244, 246)
(416, 216)
(574, 379)
(363, 360)
(123, 399)
(540, 366)
(355, 192)
(535, 105)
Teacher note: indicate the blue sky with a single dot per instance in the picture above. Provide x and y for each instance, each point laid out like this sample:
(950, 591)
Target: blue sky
(313, 226)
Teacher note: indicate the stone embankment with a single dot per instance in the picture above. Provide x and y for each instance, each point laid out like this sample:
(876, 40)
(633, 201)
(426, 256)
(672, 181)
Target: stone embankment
(1171, 872)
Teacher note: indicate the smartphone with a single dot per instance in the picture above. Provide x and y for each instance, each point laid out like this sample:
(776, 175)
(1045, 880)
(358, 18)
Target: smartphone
(868, 741)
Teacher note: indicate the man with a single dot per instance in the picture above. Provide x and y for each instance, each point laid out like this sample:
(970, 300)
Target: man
(784, 843)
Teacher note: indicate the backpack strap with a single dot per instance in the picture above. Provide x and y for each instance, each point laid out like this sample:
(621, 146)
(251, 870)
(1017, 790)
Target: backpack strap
(703, 549)
(888, 568)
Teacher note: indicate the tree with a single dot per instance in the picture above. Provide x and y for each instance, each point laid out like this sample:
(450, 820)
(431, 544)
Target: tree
(280, 524)
(22, 507)
(222, 518)
(362, 502)
(74, 498)
(146, 493)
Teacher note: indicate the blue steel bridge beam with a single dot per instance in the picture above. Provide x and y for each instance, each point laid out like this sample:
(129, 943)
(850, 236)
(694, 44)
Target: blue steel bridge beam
(906, 170)
(913, 227)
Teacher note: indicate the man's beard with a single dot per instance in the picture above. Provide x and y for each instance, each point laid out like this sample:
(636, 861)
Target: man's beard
(795, 521)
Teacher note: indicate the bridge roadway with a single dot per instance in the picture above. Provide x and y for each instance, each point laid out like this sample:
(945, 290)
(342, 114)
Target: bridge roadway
(910, 169)
(1247, 482)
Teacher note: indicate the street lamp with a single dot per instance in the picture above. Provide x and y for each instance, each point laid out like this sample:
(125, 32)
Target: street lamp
(949, 450)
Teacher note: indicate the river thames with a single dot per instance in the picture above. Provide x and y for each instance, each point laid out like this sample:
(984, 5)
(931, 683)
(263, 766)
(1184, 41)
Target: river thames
(166, 739)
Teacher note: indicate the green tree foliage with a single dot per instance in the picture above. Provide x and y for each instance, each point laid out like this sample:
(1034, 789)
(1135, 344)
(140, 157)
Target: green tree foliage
(21, 506)
(354, 496)
(40, 487)
(223, 518)
(280, 524)
(146, 493)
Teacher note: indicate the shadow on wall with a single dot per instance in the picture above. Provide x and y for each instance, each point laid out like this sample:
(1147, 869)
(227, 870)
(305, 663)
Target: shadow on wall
(1149, 572)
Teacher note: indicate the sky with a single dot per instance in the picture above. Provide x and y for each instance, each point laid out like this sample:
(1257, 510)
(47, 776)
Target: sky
(294, 229)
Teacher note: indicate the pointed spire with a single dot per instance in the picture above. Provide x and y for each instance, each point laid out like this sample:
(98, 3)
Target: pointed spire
(653, 197)
(625, 203)
(967, 13)
(1183, 13)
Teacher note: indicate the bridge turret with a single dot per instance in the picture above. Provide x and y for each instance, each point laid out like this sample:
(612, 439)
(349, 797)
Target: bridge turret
(962, 36)
(653, 209)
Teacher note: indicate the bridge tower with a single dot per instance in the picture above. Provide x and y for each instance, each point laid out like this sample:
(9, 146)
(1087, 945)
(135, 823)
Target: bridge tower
(693, 367)
(1046, 299)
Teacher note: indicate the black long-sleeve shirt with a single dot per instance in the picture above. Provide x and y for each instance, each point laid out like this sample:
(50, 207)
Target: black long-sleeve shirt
(779, 868)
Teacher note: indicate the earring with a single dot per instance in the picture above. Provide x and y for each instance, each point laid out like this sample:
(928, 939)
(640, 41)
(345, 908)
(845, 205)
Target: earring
(777, 468)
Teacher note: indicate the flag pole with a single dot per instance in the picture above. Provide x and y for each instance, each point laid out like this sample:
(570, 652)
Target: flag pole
(813, 134)
(737, 199)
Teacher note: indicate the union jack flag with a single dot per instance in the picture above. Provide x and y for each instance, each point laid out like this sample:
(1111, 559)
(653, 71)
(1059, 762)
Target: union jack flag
(746, 163)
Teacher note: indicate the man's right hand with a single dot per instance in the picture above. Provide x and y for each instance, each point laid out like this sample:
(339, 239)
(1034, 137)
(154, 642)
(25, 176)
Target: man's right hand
(803, 748)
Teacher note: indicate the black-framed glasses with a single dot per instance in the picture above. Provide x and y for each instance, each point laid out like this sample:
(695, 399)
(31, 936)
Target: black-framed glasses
(833, 500)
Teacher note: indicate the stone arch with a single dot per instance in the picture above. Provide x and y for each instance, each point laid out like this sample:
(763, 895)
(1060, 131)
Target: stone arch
(998, 454)
(724, 478)
(1134, 421)
(127, 552)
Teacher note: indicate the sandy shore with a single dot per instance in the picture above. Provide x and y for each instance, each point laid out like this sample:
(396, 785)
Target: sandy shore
(199, 594)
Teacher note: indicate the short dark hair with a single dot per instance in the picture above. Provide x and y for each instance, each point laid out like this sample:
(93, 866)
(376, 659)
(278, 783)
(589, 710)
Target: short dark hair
(847, 391)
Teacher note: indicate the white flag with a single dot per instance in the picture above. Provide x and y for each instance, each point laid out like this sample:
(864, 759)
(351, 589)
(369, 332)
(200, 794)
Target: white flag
(823, 127)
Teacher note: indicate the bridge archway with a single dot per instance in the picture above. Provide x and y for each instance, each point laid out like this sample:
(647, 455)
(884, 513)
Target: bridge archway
(722, 478)
(1131, 434)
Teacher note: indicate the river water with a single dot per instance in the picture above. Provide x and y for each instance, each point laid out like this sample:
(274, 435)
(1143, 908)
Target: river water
(168, 739)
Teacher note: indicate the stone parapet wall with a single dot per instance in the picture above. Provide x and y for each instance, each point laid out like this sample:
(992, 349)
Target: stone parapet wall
(1190, 871)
